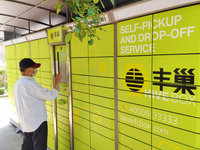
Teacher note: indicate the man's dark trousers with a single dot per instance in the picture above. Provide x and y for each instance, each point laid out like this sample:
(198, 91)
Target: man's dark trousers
(36, 140)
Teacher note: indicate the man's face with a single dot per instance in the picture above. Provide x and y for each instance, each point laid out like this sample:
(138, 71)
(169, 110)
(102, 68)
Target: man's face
(30, 71)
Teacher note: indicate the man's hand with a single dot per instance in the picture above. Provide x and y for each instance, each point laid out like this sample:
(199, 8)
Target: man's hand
(57, 81)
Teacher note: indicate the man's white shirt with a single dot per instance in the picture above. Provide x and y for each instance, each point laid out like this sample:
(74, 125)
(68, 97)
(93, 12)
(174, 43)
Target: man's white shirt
(30, 99)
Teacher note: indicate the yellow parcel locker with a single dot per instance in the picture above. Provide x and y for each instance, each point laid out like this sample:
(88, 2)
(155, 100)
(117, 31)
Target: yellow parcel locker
(7, 49)
(19, 51)
(44, 49)
(45, 65)
(12, 52)
(8, 63)
(51, 143)
(25, 48)
(13, 64)
(35, 49)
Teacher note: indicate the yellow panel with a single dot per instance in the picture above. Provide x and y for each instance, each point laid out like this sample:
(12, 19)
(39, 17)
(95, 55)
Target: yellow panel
(80, 66)
(105, 144)
(13, 63)
(165, 144)
(50, 117)
(82, 134)
(138, 133)
(51, 143)
(80, 79)
(7, 49)
(177, 31)
(25, 47)
(64, 134)
(8, 63)
(19, 51)
(44, 49)
(132, 143)
(63, 112)
(35, 49)
(101, 67)
(63, 119)
(46, 81)
(63, 89)
(104, 46)
(78, 48)
(63, 126)
(79, 145)
(61, 146)
(45, 65)
(12, 52)
(50, 130)
(80, 87)
(177, 76)
(101, 111)
(46, 75)
(134, 37)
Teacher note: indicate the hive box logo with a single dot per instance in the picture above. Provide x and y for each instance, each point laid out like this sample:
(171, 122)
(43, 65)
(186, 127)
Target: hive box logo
(134, 79)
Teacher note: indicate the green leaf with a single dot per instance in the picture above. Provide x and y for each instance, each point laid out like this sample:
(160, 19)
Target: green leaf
(66, 28)
(56, 5)
(78, 18)
(68, 37)
(82, 33)
(99, 10)
(102, 5)
(90, 42)
(95, 1)
(61, 7)
(58, 9)
(91, 11)
(100, 28)
(78, 36)
(84, 20)
(76, 30)
(75, 12)
(77, 2)
(64, 2)
(84, 25)
(112, 1)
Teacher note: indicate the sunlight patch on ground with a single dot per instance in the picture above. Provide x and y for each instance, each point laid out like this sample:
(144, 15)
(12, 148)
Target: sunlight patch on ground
(4, 112)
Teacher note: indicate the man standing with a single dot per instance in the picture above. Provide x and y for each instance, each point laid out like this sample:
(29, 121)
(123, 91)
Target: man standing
(30, 105)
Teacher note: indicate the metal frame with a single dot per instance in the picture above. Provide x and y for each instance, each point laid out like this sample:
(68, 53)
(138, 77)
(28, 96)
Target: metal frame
(54, 102)
(53, 60)
(115, 86)
(14, 17)
(16, 27)
(70, 100)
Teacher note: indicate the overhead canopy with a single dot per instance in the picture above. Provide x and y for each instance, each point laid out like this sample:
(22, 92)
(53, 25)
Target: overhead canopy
(26, 16)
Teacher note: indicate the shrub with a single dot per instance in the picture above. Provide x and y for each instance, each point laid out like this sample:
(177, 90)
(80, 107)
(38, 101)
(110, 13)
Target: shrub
(2, 91)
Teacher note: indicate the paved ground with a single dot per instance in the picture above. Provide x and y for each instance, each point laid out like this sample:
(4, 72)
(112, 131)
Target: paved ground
(9, 139)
